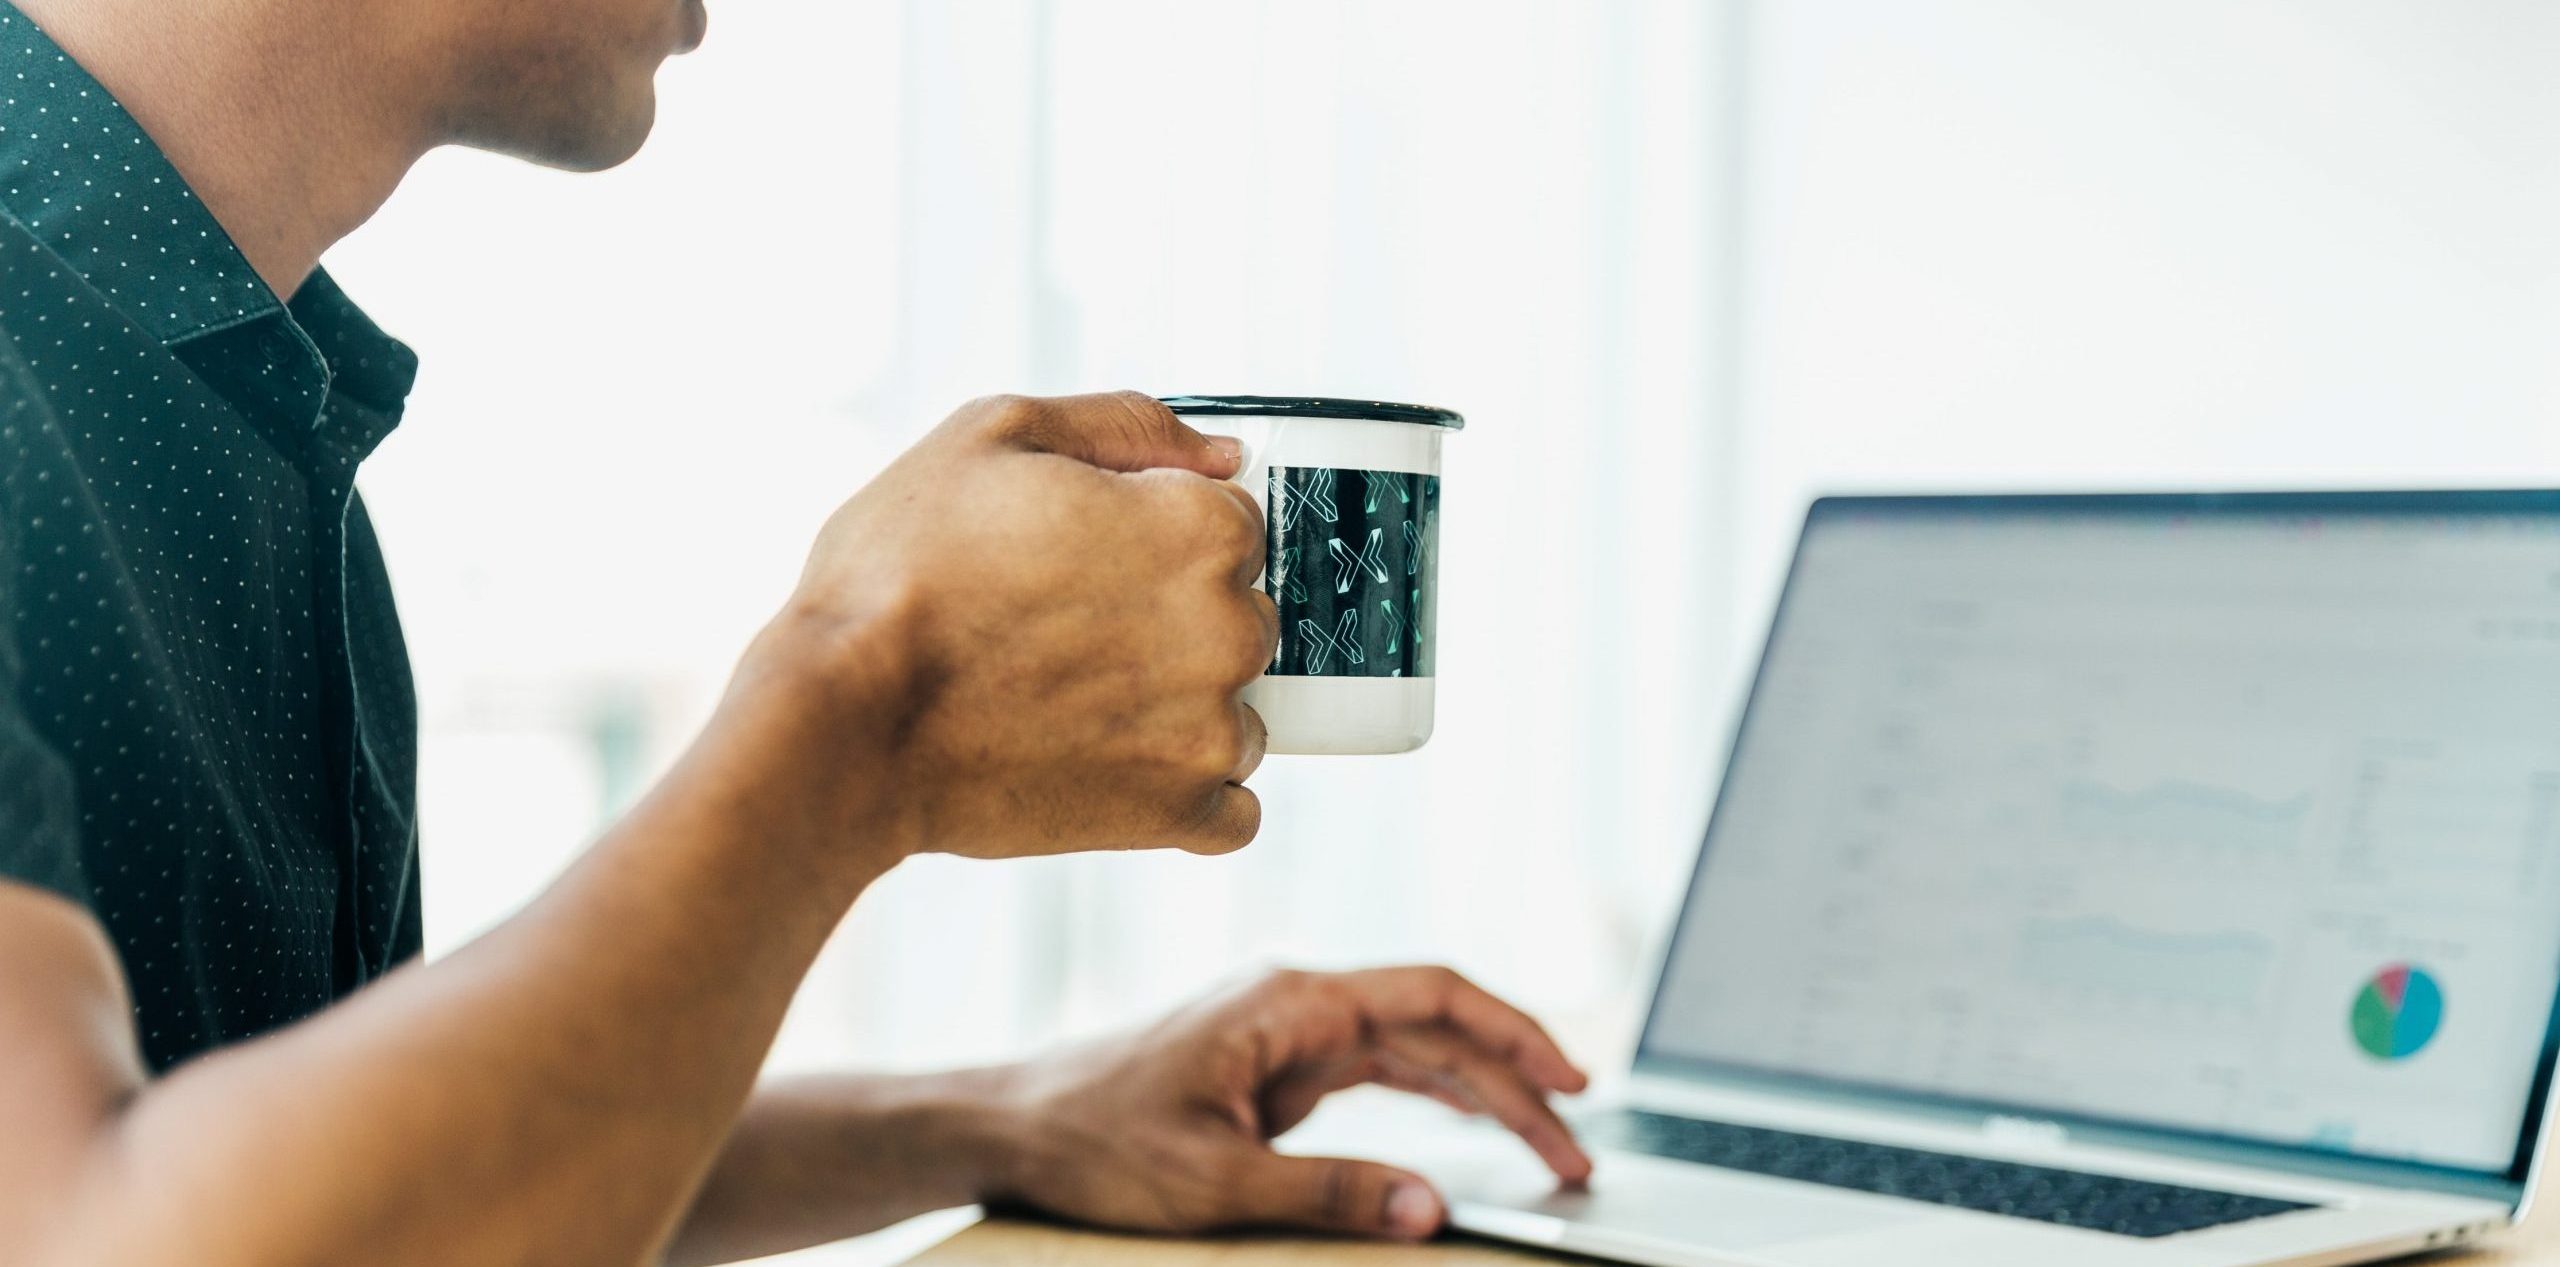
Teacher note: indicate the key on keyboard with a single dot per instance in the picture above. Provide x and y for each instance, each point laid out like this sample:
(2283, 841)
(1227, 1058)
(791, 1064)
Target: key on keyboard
(2103, 1203)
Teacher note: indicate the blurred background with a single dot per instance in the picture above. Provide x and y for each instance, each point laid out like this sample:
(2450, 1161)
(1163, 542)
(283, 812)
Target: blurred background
(1683, 264)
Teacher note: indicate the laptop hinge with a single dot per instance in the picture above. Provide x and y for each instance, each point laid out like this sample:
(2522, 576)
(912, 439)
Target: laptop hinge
(2024, 1132)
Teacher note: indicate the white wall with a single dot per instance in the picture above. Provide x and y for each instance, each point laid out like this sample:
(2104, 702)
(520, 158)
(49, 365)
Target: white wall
(2185, 242)
(1978, 243)
(644, 390)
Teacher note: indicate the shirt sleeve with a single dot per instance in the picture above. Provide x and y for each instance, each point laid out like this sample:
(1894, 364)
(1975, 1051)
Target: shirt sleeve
(39, 809)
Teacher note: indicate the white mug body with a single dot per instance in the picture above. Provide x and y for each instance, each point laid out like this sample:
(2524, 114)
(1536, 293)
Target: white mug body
(1351, 507)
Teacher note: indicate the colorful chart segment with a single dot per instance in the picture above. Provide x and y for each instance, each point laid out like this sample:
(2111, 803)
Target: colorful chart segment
(2397, 1013)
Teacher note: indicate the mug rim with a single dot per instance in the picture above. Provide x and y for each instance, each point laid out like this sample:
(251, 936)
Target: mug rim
(1317, 407)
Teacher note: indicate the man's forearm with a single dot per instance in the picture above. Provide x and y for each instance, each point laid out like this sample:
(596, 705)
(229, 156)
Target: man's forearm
(822, 1158)
(553, 1093)
(1026, 636)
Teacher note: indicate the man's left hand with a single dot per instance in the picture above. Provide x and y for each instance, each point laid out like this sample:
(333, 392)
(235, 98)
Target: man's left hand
(1169, 1129)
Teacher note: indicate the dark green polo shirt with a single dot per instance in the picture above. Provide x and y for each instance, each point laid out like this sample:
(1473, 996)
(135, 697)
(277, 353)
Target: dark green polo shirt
(207, 731)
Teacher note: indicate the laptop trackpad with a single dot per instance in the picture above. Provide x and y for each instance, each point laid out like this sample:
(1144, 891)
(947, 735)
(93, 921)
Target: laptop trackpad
(1692, 1205)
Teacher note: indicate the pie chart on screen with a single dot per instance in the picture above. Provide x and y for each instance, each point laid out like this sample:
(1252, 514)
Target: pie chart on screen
(2397, 1012)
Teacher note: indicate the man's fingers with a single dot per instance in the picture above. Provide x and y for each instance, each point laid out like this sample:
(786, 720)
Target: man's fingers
(1324, 1194)
(1400, 1077)
(1255, 558)
(1267, 611)
(1117, 431)
(1257, 743)
(1493, 1086)
(1286, 1101)
(1230, 821)
(1416, 996)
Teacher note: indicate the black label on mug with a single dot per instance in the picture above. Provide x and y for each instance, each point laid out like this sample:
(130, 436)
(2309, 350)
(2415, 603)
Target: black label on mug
(1350, 568)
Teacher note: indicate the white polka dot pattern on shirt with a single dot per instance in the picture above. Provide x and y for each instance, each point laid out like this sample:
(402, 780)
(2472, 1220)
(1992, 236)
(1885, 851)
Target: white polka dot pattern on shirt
(206, 728)
(60, 117)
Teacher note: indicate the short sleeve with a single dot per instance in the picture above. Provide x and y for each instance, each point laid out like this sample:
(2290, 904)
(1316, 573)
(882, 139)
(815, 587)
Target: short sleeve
(39, 813)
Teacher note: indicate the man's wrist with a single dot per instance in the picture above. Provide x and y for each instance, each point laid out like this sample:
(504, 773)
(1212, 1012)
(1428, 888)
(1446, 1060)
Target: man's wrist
(952, 1137)
(978, 1123)
(819, 1158)
(821, 698)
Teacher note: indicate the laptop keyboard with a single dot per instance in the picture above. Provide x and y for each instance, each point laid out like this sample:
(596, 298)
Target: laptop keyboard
(2101, 1203)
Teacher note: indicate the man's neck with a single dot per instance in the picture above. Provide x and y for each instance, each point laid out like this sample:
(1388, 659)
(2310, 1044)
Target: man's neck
(281, 117)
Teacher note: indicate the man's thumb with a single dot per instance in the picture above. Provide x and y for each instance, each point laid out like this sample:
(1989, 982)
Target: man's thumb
(1331, 1194)
(1117, 431)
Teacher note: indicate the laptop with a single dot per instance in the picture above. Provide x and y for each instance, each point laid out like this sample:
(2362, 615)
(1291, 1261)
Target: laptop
(2144, 880)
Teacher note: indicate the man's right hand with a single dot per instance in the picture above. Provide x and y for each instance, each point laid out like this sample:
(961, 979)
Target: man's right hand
(1027, 636)
(1040, 619)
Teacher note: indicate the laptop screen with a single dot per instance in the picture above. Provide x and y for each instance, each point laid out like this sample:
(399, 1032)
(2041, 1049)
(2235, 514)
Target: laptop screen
(2236, 816)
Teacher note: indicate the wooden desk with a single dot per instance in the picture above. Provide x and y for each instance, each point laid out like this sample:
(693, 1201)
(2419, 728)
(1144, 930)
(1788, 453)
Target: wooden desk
(1006, 1243)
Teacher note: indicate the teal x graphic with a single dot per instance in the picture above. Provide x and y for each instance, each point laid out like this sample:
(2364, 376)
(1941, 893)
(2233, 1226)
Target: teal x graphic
(1322, 645)
(1371, 559)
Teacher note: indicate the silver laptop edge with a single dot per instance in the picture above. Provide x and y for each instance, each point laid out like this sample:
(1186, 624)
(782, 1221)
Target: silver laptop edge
(2369, 1209)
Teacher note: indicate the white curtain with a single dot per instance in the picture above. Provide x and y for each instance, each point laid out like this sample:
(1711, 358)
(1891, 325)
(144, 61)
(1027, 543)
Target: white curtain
(644, 390)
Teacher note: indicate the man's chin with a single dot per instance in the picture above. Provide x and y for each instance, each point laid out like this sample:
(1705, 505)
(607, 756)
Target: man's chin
(598, 145)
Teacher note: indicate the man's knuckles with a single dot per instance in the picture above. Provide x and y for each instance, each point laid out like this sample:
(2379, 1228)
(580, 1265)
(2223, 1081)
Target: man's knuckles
(1139, 417)
(1266, 619)
(1239, 643)
(1019, 421)
(1279, 985)
(1203, 753)
(1195, 515)
(1315, 1004)
(1120, 431)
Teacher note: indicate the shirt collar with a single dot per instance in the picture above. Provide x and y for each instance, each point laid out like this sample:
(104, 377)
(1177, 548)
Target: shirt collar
(365, 364)
(370, 373)
(79, 173)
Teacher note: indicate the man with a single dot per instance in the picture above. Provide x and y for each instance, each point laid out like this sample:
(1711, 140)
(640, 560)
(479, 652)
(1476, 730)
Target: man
(1026, 637)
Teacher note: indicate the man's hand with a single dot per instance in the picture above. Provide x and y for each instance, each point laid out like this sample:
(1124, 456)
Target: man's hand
(1170, 1129)
(1029, 635)
(1043, 616)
